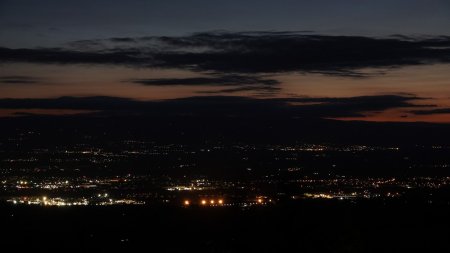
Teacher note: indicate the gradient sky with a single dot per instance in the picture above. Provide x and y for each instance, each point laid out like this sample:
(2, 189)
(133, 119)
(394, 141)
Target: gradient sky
(49, 22)
(92, 27)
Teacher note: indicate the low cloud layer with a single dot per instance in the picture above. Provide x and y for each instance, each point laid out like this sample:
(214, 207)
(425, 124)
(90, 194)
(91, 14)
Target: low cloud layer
(18, 79)
(430, 112)
(247, 52)
(235, 83)
(225, 80)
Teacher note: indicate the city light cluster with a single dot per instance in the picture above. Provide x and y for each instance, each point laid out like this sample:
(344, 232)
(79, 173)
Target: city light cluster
(58, 201)
(46, 201)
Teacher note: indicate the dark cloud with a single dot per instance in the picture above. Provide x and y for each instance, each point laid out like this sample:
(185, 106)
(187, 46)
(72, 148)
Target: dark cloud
(18, 79)
(430, 112)
(224, 106)
(239, 83)
(123, 39)
(85, 44)
(249, 52)
(335, 55)
(262, 89)
(225, 80)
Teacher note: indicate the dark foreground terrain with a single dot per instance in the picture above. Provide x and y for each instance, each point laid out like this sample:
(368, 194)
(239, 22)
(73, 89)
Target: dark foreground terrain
(309, 226)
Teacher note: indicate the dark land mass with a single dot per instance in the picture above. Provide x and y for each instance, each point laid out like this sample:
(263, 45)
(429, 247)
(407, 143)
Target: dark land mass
(200, 130)
(309, 226)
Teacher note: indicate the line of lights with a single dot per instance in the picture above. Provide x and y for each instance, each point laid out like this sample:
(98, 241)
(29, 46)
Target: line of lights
(204, 202)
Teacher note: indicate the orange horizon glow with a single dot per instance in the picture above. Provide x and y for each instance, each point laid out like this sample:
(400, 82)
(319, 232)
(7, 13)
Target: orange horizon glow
(426, 81)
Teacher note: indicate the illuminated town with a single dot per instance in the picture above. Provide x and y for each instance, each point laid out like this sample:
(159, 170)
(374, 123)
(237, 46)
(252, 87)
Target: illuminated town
(172, 175)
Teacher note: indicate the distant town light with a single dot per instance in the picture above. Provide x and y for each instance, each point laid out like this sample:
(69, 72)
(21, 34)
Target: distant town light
(186, 202)
(203, 202)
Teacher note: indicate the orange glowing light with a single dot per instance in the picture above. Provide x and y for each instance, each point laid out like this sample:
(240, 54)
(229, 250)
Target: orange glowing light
(203, 202)
(186, 202)
(220, 201)
(212, 201)
(260, 201)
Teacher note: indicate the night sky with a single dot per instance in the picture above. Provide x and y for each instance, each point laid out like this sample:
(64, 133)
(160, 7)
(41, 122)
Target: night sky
(391, 56)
